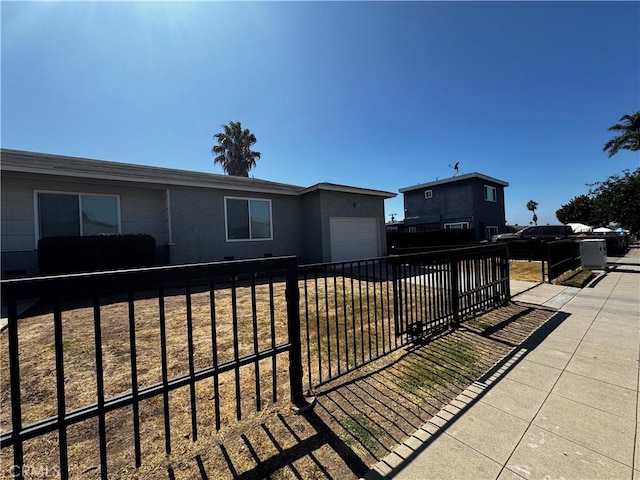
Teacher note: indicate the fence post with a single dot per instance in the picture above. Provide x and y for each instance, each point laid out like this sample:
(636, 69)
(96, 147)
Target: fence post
(455, 293)
(14, 381)
(505, 273)
(547, 257)
(397, 297)
(295, 352)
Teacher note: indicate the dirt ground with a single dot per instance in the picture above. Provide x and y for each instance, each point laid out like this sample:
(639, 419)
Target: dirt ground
(356, 421)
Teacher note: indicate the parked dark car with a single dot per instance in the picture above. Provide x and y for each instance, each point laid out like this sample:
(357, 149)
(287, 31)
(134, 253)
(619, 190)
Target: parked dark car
(545, 233)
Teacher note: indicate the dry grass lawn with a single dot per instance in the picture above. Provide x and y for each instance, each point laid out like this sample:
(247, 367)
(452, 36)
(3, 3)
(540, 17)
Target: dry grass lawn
(525, 271)
(358, 419)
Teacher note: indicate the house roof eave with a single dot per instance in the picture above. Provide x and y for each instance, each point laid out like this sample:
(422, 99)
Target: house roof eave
(48, 164)
(347, 189)
(467, 176)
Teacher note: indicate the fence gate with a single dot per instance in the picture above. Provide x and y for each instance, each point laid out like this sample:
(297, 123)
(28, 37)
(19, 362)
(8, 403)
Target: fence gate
(355, 312)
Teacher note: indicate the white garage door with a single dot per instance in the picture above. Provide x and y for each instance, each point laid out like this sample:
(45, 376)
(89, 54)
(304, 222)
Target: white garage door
(354, 238)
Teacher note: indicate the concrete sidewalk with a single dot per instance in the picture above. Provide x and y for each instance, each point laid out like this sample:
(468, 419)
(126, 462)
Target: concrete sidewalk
(563, 405)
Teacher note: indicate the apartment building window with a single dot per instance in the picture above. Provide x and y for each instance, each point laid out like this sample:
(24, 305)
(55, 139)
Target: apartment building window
(456, 225)
(490, 193)
(491, 231)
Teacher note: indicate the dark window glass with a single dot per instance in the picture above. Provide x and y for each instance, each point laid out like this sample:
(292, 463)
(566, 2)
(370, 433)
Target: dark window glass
(59, 215)
(99, 215)
(237, 219)
(260, 219)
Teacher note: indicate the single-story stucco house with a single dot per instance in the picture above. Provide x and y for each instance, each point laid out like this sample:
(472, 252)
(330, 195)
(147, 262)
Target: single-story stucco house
(193, 216)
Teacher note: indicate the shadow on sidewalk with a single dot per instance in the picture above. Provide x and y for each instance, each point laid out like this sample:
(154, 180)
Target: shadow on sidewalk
(483, 385)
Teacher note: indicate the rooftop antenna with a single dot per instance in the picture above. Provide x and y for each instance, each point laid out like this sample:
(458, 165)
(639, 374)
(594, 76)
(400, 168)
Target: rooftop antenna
(393, 217)
(455, 167)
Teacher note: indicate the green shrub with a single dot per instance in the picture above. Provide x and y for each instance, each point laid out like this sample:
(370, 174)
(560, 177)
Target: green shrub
(57, 255)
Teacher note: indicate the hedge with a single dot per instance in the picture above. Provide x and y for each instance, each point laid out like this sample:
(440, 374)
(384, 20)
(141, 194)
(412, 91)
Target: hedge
(58, 255)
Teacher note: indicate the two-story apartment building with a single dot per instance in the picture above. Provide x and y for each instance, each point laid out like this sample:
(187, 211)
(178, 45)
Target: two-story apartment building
(473, 200)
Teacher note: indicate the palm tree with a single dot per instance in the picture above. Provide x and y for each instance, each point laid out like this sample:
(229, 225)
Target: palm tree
(629, 138)
(233, 151)
(532, 206)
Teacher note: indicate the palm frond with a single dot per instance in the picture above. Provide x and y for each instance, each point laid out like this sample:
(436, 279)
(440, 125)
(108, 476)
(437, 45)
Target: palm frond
(234, 149)
(629, 138)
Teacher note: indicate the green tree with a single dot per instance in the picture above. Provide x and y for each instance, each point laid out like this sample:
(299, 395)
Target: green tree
(629, 137)
(532, 206)
(616, 200)
(578, 210)
(233, 151)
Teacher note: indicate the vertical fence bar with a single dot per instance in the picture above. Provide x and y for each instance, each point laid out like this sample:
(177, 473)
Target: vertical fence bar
(59, 353)
(272, 323)
(433, 321)
(293, 323)
(375, 308)
(439, 290)
(14, 379)
(354, 331)
(362, 346)
(493, 275)
(192, 379)
(505, 272)
(409, 290)
(389, 295)
(335, 304)
(368, 302)
(455, 293)
(422, 317)
(383, 281)
(236, 347)
(308, 325)
(318, 335)
(102, 433)
(254, 322)
(165, 376)
(326, 318)
(214, 350)
(397, 299)
(344, 315)
(134, 379)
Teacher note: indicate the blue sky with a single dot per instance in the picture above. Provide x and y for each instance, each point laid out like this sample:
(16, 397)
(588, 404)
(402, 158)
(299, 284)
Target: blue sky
(380, 95)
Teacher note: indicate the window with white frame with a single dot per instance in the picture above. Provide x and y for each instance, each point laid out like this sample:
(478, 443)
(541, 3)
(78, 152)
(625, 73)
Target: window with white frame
(491, 231)
(77, 214)
(456, 225)
(428, 194)
(248, 219)
(490, 193)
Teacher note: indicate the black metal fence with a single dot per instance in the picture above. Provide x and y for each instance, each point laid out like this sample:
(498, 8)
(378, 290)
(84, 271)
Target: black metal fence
(556, 257)
(356, 312)
(408, 237)
(527, 250)
(209, 342)
(561, 256)
(232, 319)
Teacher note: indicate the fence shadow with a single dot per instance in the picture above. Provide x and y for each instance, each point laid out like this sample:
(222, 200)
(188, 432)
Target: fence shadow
(362, 417)
(485, 382)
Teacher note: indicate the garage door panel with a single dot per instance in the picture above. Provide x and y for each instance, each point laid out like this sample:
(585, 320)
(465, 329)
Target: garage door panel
(354, 238)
